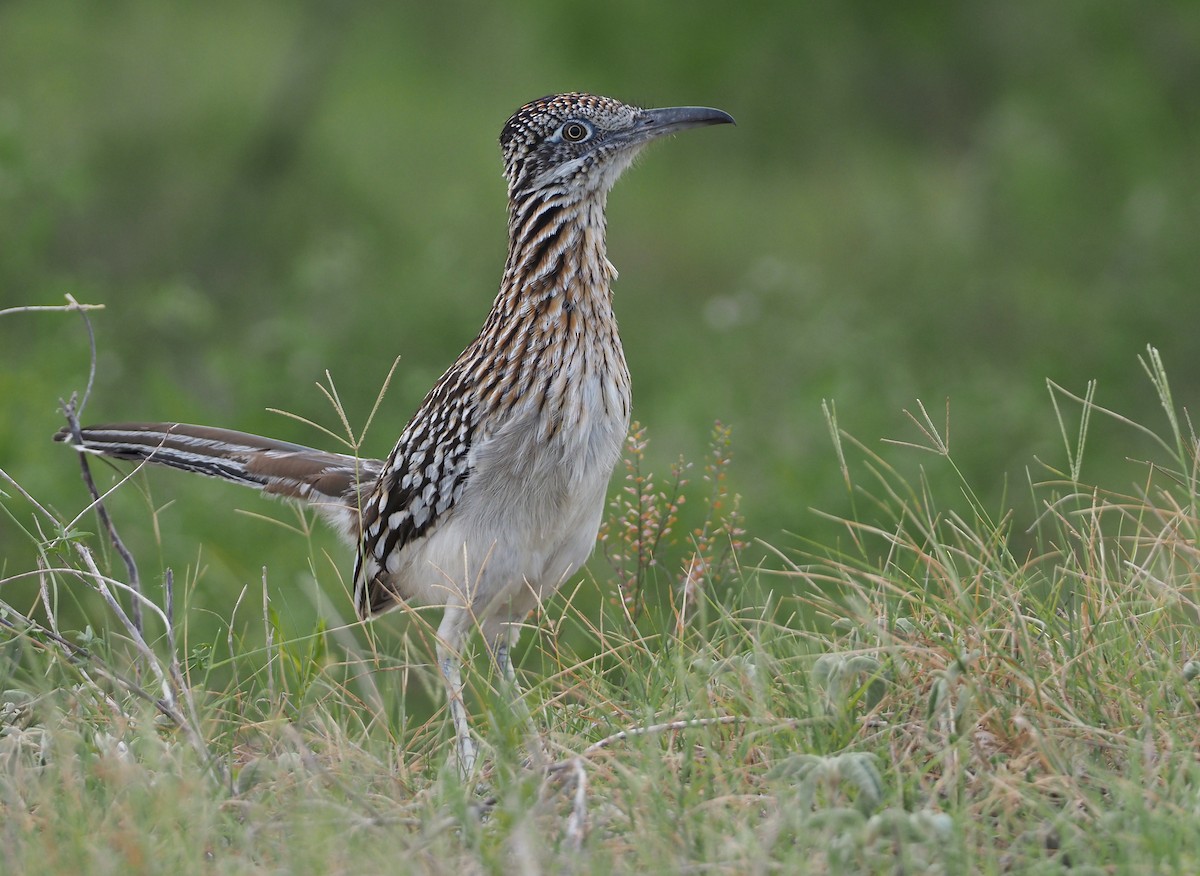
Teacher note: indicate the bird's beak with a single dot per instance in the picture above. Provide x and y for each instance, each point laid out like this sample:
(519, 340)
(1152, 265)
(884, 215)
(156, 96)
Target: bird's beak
(656, 123)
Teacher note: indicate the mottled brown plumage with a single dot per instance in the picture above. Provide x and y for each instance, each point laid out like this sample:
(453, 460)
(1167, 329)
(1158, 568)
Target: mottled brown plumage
(493, 494)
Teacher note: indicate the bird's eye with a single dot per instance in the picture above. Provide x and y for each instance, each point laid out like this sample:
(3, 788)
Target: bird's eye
(574, 132)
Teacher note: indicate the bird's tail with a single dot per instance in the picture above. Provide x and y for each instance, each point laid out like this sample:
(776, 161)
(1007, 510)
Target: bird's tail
(330, 482)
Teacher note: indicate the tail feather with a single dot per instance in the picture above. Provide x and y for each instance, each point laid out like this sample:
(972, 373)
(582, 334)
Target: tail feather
(331, 482)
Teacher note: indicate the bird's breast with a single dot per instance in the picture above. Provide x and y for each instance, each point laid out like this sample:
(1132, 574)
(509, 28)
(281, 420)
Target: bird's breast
(555, 447)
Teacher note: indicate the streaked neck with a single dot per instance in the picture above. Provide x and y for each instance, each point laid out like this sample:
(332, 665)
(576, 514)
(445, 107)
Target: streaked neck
(557, 246)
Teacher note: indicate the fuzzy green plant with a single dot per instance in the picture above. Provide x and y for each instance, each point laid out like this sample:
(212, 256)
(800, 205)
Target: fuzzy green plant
(642, 535)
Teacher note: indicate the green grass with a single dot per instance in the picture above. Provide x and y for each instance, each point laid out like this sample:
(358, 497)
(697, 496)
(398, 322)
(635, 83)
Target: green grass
(943, 687)
(917, 201)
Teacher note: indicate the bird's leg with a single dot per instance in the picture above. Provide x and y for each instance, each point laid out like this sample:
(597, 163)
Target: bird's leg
(502, 645)
(449, 657)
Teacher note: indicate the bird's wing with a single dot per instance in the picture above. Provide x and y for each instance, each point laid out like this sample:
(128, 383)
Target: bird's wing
(421, 481)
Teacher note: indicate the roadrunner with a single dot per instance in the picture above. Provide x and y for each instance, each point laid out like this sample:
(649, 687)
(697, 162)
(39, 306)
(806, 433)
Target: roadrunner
(493, 494)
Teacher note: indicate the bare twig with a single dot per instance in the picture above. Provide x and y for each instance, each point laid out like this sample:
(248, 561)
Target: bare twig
(577, 820)
(87, 324)
(175, 696)
(665, 727)
(44, 593)
(47, 639)
(174, 669)
(135, 581)
(72, 306)
(71, 409)
(20, 625)
(170, 680)
(55, 308)
(24, 494)
(269, 631)
(100, 581)
(682, 724)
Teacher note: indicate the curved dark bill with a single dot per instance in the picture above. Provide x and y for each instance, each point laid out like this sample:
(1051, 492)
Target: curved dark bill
(668, 120)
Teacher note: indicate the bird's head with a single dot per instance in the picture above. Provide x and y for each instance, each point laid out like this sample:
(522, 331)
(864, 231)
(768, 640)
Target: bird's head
(578, 144)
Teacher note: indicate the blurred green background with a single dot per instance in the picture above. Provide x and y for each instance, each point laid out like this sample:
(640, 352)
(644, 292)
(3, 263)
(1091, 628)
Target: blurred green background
(921, 200)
